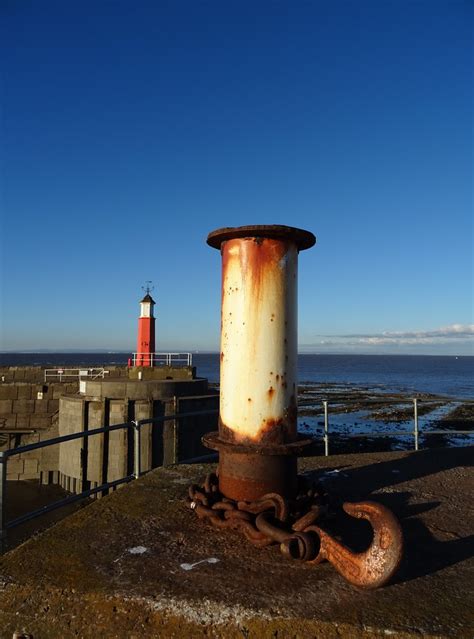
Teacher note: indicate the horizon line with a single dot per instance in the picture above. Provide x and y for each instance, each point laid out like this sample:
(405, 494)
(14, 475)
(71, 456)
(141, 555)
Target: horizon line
(216, 352)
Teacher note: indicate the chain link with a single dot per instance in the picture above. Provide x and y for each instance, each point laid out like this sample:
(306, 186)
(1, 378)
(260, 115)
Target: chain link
(272, 519)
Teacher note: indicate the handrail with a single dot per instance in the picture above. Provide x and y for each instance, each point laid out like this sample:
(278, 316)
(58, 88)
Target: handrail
(438, 399)
(415, 432)
(97, 431)
(75, 373)
(162, 359)
(136, 426)
(63, 438)
(65, 502)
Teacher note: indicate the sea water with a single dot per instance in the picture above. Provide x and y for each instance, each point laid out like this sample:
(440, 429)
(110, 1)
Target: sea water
(443, 375)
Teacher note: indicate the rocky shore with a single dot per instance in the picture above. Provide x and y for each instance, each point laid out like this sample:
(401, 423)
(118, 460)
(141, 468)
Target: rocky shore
(379, 411)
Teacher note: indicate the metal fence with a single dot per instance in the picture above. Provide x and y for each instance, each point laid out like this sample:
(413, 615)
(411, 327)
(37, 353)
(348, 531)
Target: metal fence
(415, 433)
(65, 374)
(136, 427)
(162, 359)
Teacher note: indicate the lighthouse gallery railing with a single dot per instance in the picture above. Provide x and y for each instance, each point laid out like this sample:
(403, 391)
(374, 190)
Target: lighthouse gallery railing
(162, 359)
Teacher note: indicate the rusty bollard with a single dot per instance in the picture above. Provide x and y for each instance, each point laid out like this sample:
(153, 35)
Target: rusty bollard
(257, 439)
(257, 489)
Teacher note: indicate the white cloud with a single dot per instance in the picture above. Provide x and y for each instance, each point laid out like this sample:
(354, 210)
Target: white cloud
(455, 331)
(454, 334)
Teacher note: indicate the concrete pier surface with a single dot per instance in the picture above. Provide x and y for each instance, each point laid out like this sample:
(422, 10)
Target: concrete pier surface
(136, 563)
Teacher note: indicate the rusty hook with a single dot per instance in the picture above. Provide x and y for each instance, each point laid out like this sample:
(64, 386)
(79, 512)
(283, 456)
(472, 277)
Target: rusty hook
(377, 565)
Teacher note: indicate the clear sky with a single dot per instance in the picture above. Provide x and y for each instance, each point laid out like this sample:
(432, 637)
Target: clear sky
(131, 129)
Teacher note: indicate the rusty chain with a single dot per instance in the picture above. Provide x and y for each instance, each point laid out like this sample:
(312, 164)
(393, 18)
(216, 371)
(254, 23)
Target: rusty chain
(292, 524)
(271, 519)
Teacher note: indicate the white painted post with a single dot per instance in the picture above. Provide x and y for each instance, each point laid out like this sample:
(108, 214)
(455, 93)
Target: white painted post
(136, 449)
(415, 432)
(258, 338)
(326, 429)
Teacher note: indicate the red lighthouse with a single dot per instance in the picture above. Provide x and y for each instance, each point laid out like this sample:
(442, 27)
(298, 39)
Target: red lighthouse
(146, 331)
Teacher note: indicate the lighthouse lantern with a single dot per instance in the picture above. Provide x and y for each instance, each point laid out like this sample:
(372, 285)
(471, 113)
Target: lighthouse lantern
(146, 307)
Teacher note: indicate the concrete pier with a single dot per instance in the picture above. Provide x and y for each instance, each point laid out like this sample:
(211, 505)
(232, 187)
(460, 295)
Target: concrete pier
(135, 563)
(32, 410)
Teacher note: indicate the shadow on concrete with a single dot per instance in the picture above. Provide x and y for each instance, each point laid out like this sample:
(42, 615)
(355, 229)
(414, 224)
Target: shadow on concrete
(424, 554)
(409, 467)
(25, 496)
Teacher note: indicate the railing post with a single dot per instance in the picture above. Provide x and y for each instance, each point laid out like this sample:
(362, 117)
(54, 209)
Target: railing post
(415, 415)
(326, 428)
(136, 450)
(3, 486)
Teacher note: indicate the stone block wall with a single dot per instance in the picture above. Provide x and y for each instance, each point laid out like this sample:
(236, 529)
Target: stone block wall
(96, 418)
(89, 462)
(41, 464)
(92, 461)
(49, 456)
(31, 374)
(70, 453)
(144, 410)
(118, 441)
(30, 406)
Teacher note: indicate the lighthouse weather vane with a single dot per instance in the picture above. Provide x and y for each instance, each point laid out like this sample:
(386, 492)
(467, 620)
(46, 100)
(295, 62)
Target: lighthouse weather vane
(148, 288)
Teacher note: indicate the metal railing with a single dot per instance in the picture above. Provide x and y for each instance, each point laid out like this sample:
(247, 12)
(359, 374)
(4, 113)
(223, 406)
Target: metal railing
(162, 359)
(415, 433)
(135, 425)
(74, 373)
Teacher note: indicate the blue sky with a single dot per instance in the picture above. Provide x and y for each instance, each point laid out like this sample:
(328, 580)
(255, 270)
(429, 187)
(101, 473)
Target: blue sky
(132, 129)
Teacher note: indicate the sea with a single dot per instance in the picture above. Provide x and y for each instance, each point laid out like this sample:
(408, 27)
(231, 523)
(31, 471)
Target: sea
(449, 376)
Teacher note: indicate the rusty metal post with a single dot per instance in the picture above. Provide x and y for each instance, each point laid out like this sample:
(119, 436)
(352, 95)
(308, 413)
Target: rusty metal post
(256, 487)
(257, 439)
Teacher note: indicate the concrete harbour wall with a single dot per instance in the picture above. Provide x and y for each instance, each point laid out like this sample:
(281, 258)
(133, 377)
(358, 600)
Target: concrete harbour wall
(32, 411)
(88, 462)
(30, 406)
(29, 412)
